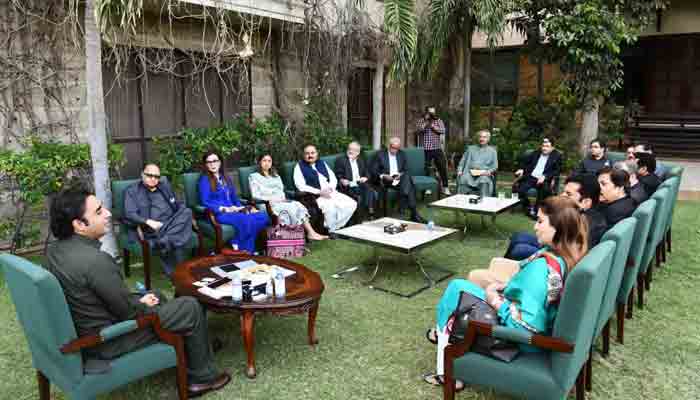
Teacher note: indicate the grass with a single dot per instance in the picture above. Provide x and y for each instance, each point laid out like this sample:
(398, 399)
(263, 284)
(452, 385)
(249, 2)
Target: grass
(372, 344)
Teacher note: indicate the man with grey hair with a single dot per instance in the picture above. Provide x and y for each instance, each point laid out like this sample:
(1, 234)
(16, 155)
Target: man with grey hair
(390, 169)
(475, 170)
(636, 189)
(353, 176)
(431, 128)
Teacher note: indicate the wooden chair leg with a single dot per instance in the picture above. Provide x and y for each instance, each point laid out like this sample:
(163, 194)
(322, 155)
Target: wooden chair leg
(580, 383)
(620, 323)
(663, 251)
(641, 280)
(127, 262)
(658, 257)
(630, 304)
(668, 239)
(648, 277)
(588, 371)
(146, 251)
(181, 370)
(44, 386)
(606, 339)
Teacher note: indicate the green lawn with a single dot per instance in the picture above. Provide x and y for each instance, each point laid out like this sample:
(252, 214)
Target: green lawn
(372, 344)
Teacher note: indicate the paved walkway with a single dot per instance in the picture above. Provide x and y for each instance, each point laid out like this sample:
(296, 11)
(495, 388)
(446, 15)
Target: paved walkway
(690, 184)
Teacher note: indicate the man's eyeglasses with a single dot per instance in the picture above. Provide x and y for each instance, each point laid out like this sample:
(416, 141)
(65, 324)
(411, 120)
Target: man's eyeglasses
(213, 161)
(154, 176)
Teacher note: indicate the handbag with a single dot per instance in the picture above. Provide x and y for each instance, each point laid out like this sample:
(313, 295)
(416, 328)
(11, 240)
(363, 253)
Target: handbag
(473, 308)
(285, 241)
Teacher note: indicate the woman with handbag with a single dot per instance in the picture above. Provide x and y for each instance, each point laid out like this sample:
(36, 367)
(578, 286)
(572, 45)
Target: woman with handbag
(266, 185)
(526, 298)
(217, 193)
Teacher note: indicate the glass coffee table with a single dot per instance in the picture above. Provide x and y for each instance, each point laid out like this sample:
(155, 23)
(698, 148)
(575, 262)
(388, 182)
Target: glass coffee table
(415, 238)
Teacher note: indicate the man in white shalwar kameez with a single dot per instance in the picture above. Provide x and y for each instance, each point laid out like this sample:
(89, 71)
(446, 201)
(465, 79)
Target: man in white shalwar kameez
(317, 178)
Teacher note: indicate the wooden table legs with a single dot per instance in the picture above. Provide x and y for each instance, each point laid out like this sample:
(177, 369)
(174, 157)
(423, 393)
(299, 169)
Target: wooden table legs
(248, 334)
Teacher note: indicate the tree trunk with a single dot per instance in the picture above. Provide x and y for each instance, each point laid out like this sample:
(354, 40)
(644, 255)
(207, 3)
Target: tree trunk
(492, 89)
(589, 127)
(377, 103)
(97, 132)
(466, 75)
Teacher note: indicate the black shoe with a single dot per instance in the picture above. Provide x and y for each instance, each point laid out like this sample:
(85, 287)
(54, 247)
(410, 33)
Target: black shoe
(216, 345)
(417, 218)
(532, 213)
(198, 389)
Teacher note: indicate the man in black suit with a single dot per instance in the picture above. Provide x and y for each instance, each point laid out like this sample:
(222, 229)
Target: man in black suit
(646, 165)
(353, 176)
(538, 170)
(389, 169)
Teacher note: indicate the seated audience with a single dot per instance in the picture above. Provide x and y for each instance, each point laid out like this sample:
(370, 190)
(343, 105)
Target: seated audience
(266, 184)
(584, 190)
(476, 168)
(390, 169)
(661, 170)
(353, 175)
(98, 297)
(538, 171)
(166, 223)
(529, 299)
(630, 154)
(616, 205)
(646, 165)
(217, 193)
(636, 190)
(595, 160)
(315, 177)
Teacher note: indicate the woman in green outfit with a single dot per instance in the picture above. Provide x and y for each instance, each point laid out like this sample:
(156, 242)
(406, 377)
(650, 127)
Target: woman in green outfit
(476, 168)
(530, 298)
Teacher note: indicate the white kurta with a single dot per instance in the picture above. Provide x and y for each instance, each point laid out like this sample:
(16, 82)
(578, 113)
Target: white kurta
(338, 208)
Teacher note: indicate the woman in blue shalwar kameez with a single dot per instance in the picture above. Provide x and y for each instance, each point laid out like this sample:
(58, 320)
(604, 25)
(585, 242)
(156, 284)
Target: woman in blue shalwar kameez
(217, 193)
(529, 298)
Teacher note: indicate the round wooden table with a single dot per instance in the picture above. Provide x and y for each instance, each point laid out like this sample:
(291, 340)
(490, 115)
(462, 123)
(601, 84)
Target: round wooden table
(303, 293)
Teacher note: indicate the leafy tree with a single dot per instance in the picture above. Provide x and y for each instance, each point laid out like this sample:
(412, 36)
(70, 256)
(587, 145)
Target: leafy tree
(586, 38)
(445, 22)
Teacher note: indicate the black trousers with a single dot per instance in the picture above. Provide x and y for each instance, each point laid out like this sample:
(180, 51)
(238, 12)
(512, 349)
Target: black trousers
(437, 156)
(183, 315)
(530, 182)
(407, 192)
(364, 194)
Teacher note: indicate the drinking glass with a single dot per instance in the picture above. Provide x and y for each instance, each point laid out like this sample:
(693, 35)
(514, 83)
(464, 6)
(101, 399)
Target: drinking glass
(501, 195)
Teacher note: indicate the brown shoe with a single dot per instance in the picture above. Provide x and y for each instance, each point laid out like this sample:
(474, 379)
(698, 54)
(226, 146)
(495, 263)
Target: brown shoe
(198, 389)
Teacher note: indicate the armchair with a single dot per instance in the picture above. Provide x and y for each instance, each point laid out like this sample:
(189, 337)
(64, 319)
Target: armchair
(55, 347)
(245, 193)
(141, 246)
(206, 220)
(540, 375)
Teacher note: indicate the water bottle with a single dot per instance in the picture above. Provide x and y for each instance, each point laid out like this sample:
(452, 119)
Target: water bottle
(431, 225)
(280, 289)
(269, 288)
(237, 288)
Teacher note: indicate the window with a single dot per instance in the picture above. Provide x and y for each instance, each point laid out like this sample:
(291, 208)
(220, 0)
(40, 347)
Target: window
(505, 77)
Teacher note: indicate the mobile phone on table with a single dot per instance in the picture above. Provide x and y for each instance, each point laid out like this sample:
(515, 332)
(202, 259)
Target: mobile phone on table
(219, 282)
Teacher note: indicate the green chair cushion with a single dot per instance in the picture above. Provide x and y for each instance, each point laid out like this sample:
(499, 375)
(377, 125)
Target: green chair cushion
(424, 183)
(662, 196)
(287, 174)
(622, 234)
(191, 181)
(415, 160)
(330, 160)
(615, 156)
(243, 175)
(227, 231)
(644, 214)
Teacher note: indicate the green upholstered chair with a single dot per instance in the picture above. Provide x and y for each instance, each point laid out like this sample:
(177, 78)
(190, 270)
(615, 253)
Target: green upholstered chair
(545, 375)
(206, 221)
(615, 156)
(494, 174)
(662, 197)
(140, 248)
(675, 182)
(555, 180)
(243, 181)
(625, 303)
(415, 158)
(46, 320)
(287, 174)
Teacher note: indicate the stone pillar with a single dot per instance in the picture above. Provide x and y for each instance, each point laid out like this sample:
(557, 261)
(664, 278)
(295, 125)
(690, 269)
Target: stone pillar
(377, 104)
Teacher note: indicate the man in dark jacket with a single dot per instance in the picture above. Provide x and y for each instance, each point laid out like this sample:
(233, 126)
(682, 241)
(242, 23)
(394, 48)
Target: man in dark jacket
(538, 171)
(390, 169)
(595, 160)
(616, 203)
(150, 205)
(97, 296)
(646, 165)
(353, 178)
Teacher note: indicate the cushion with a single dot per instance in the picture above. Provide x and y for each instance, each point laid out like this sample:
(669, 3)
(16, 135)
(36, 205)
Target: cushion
(244, 183)
(643, 214)
(424, 183)
(415, 159)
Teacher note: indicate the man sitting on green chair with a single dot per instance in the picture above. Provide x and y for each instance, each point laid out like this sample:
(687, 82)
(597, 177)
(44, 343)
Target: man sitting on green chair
(97, 296)
(166, 223)
(475, 171)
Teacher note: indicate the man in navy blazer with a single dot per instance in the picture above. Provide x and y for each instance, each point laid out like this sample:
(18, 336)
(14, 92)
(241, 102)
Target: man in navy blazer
(537, 171)
(353, 177)
(390, 169)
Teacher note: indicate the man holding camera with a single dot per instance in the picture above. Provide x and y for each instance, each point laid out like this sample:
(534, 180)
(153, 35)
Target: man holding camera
(431, 127)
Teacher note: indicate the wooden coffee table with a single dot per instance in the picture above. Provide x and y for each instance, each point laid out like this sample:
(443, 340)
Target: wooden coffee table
(303, 293)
